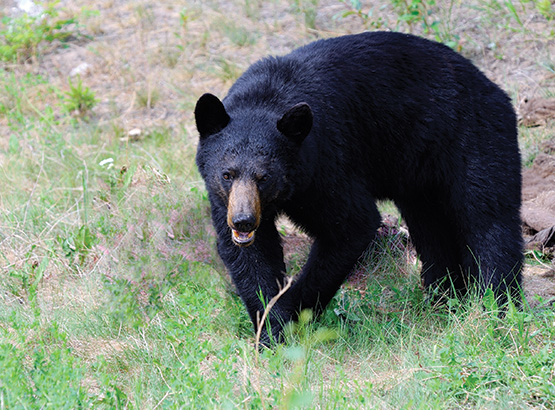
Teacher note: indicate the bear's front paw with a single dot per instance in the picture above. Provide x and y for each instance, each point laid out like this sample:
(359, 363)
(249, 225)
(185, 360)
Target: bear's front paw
(270, 337)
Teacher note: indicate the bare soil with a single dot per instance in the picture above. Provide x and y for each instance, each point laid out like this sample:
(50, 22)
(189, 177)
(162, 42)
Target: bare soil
(538, 214)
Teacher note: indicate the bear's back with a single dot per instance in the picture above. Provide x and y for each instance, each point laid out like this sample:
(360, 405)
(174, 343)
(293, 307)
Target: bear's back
(393, 102)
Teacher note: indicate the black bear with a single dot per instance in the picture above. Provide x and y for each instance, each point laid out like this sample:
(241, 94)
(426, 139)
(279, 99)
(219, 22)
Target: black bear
(322, 133)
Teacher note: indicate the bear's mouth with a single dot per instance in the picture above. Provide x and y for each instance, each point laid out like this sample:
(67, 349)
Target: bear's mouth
(242, 238)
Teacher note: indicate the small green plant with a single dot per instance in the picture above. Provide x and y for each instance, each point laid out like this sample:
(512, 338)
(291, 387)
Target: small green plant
(546, 8)
(78, 244)
(186, 15)
(147, 97)
(354, 7)
(228, 70)
(21, 37)
(23, 282)
(79, 100)
(421, 12)
(309, 8)
(514, 13)
(252, 8)
(239, 35)
(537, 258)
(411, 13)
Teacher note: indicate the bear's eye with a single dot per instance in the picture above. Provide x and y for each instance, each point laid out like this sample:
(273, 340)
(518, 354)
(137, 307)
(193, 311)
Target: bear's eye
(227, 176)
(264, 178)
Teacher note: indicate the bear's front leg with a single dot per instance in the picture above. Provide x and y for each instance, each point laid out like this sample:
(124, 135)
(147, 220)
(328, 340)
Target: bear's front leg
(258, 272)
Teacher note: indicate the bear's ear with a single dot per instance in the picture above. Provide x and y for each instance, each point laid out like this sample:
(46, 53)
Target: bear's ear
(210, 115)
(296, 123)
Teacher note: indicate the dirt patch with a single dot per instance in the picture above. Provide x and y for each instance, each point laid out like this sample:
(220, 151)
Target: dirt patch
(539, 284)
(538, 194)
(536, 111)
(538, 217)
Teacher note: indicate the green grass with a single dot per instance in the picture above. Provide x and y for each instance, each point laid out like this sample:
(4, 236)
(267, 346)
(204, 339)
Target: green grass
(238, 35)
(111, 292)
(22, 37)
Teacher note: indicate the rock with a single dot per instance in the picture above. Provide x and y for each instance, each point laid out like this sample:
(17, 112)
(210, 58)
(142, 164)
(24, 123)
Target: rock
(29, 7)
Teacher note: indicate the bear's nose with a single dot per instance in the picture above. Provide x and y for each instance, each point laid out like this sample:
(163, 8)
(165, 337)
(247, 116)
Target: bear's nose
(244, 222)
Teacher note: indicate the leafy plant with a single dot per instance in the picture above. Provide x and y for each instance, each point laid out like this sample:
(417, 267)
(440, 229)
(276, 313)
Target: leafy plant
(23, 282)
(79, 100)
(354, 7)
(77, 245)
(546, 8)
(411, 13)
(21, 37)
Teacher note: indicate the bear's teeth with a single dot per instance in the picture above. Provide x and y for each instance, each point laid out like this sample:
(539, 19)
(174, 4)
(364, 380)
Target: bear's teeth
(242, 237)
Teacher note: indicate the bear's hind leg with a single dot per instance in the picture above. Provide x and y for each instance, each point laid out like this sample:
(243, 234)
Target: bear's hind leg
(435, 237)
(493, 257)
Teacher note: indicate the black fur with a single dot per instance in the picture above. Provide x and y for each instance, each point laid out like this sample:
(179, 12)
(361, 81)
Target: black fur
(388, 116)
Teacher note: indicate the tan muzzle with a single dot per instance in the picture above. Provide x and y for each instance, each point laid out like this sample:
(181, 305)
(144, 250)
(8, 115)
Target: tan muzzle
(243, 211)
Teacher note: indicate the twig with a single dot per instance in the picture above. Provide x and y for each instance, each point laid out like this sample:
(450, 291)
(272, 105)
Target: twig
(545, 265)
(160, 402)
(271, 303)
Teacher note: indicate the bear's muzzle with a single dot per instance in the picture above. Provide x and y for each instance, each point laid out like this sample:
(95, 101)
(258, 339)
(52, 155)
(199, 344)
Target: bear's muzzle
(243, 211)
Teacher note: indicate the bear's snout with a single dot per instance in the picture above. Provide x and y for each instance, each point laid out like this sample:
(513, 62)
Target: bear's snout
(243, 211)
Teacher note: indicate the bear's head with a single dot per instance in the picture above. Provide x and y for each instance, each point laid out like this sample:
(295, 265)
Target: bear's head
(247, 157)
